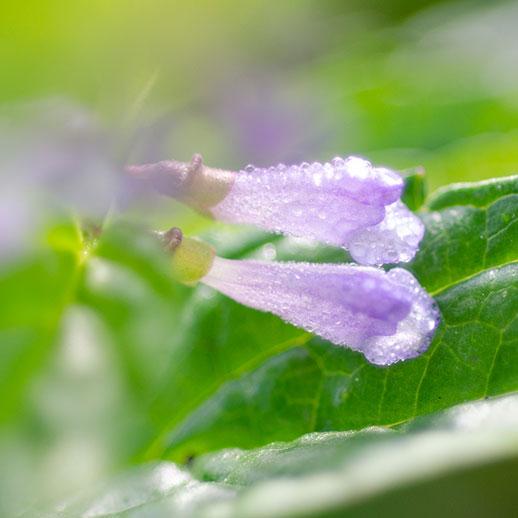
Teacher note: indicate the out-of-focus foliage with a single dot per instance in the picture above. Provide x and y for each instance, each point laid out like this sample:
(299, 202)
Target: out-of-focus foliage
(452, 462)
(105, 362)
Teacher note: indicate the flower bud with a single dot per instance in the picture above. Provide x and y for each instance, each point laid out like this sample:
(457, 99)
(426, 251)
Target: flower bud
(191, 259)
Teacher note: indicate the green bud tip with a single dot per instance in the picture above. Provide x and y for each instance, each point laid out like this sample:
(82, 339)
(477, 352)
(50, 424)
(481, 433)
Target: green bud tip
(191, 258)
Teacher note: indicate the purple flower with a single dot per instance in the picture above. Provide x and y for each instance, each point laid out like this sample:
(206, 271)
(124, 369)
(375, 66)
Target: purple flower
(347, 203)
(385, 315)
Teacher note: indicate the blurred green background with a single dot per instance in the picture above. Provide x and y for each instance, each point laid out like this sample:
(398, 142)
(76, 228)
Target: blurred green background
(403, 83)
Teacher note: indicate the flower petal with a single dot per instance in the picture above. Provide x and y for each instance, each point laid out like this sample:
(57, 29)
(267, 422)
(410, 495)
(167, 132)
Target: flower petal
(414, 333)
(395, 239)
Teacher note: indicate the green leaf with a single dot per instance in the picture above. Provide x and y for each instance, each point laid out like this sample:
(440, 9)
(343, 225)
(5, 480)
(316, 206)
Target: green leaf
(259, 380)
(455, 461)
(471, 228)
(460, 460)
(155, 489)
(414, 193)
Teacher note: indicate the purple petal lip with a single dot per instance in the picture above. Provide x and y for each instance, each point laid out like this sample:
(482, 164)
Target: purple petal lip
(347, 203)
(386, 316)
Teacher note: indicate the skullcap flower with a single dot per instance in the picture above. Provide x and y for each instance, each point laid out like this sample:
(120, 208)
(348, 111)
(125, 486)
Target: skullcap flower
(387, 316)
(346, 202)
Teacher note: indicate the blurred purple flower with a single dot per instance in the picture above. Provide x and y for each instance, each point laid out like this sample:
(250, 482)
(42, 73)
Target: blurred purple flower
(266, 116)
(57, 150)
(385, 315)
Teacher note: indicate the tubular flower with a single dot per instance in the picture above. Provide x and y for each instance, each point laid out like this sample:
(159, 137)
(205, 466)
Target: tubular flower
(385, 315)
(346, 202)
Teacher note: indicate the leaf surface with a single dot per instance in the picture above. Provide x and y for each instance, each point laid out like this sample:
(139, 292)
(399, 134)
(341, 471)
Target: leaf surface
(453, 462)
